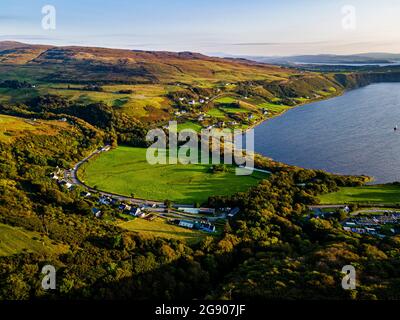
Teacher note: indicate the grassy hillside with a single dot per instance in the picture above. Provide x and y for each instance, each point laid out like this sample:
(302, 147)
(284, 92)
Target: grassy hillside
(13, 127)
(377, 194)
(152, 86)
(160, 228)
(15, 240)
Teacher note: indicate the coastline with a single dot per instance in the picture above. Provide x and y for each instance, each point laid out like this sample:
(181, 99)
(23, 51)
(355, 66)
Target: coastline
(370, 180)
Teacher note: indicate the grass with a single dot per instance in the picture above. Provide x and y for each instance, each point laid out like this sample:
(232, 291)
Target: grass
(225, 100)
(125, 170)
(13, 127)
(376, 194)
(273, 107)
(189, 125)
(216, 113)
(147, 102)
(160, 228)
(15, 240)
(233, 110)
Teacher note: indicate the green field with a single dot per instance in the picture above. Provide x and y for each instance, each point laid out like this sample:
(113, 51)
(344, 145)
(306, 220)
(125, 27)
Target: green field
(16, 240)
(14, 127)
(160, 228)
(125, 170)
(225, 100)
(189, 125)
(377, 194)
(273, 107)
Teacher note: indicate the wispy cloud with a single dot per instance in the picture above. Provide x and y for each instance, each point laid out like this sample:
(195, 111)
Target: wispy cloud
(11, 17)
(281, 43)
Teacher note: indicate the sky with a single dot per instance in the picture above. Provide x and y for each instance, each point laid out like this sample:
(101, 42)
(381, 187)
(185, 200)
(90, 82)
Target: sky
(251, 27)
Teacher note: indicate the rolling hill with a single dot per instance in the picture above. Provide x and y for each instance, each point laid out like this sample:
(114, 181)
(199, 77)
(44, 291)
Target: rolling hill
(83, 64)
(150, 85)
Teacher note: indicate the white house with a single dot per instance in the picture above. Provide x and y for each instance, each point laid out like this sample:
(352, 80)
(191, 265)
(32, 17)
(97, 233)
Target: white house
(135, 212)
(186, 224)
(96, 212)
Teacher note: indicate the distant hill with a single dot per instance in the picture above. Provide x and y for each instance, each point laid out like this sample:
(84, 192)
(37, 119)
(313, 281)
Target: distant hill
(19, 53)
(85, 64)
(365, 58)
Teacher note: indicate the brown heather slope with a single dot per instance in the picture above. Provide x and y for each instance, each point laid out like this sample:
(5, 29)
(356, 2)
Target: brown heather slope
(12, 52)
(84, 64)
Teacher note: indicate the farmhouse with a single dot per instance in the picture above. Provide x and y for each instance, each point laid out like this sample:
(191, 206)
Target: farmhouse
(233, 212)
(207, 210)
(186, 224)
(105, 200)
(54, 176)
(96, 212)
(136, 212)
(85, 194)
(69, 185)
(124, 206)
(205, 226)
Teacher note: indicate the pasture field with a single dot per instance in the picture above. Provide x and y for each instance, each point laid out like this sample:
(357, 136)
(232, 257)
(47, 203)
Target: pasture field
(225, 100)
(13, 127)
(15, 240)
(126, 171)
(189, 125)
(376, 194)
(160, 228)
(276, 108)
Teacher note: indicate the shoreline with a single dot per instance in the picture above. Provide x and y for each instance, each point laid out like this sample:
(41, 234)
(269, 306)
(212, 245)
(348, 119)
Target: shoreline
(371, 179)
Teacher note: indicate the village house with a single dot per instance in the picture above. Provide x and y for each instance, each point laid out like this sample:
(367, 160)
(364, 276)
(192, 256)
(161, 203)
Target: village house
(186, 224)
(233, 212)
(54, 176)
(85, 194)
(96, 212)
(66, 184)
(124, 206)
(136, 212)
(207, 227)
(105, 200)
(207, 211)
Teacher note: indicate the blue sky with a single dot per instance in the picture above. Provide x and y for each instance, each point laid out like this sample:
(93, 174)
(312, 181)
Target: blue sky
(251, 27)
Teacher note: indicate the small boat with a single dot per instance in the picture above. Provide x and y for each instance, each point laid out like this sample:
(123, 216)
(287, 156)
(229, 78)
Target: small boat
(395, 128)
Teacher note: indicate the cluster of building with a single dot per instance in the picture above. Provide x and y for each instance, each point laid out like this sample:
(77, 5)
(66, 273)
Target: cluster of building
(59, 177)
(373, 224)
(140, 211)
(196, 210)
(195, 225)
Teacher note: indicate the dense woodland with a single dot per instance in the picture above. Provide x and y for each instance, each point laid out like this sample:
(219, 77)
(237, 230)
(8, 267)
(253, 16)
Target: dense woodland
(271, 250)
